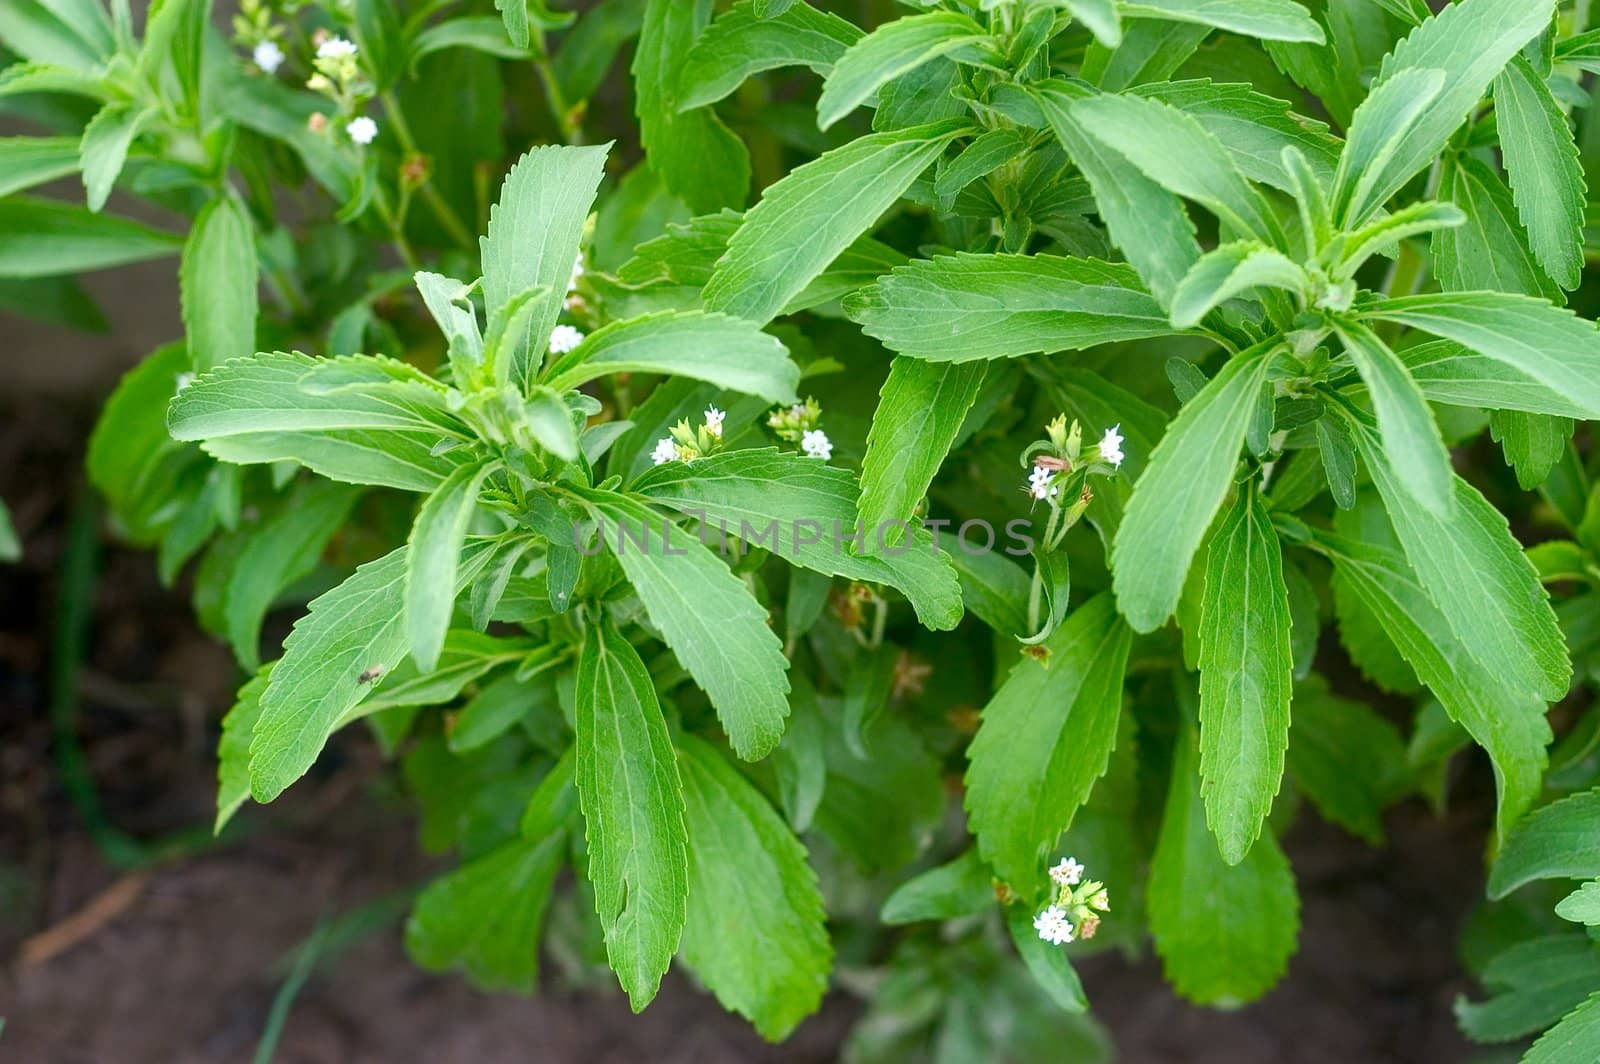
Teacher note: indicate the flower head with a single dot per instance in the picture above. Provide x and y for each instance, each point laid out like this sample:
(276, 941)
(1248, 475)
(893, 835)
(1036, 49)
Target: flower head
(1101, 901)
(268, 56)
(362, 130)
(336, 48)
(564, 338)
(815, 444)
(666, 451)
(1053, 926)
(1068, 873)
(1111, 446)
(714, 419)
(1039, 485)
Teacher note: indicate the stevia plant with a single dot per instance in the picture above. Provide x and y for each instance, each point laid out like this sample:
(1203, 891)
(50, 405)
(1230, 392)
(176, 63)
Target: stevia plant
(958, 520)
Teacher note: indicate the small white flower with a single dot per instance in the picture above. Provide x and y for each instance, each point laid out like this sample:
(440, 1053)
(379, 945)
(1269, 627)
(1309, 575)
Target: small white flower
(1053, 926)
(1039, 485)
(666, 451)
(1111, 445)
(336, 48)
(714, 418)
(268, 56)
(816, 444)
(577, 272)
(1068, 873)
(564, 338)
(1101, 901)
(362, 130)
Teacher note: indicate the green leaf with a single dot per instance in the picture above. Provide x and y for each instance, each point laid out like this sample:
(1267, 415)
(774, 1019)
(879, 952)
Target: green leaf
(485, 916)
(42, 238)
(1224, 932)
(800, 762)
(1391, 112)
(1151, 50)
(698, 158)
(1346, 758)
(1508, 723)
(633, 809)
(986, 154)
(1151, 134)
(1387, 231)
(993, 587)
(433, 559)
(1229, 272)
(534, 230)
(1148, 223)
(346, 634)
(1582, 906)
(1256, 129)
(1100, 18)
(1576, 1038)
(1045, 738)
(893, 49)
(481, 33)
(29, 161)
(284, 548)
(920, 411)
(1246, 672)
(1412, 445)
(1048, 964)
(804, 511)
(813, 213)
(1491, 250)
(741, 43)
(358, 419)
(1179, 493)
(217, 281)
(1552, 346)
(1476, 572)
(1546, 175)
(131, 457)
(1535, 983)
(707, 616)
(233, 749)
(1534, 443)
(756, 932)
(1558, 841)
(10, 545)
(966, 307)
(726, 351)
(960, 888)
(104, 148)
(1449, 373)
(1269, 20)
(1470, 42)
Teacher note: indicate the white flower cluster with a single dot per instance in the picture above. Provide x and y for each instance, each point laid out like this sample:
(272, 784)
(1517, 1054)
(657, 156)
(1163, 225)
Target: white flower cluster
(685, 444)
(815, 444)
(1039, 485)
(1075, 906)
(336, 48)
(1059, 455)
(362, 130)
(268, 57)
(564, 338)
(1111, 446)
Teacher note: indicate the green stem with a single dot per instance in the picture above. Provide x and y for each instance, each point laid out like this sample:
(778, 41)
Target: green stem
(560, 109)
(447, 216)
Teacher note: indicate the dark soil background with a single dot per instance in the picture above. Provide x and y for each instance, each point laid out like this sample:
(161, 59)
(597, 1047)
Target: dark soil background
(180, 959)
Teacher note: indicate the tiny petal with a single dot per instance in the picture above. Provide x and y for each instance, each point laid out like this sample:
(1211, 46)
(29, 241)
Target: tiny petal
(336, 48)
(1101, 901)
(577, 272)
(815, 443)
(564, 338)
(714, 419)
(362, 130)
(268, 56)
(1111, 446)
(666, 451)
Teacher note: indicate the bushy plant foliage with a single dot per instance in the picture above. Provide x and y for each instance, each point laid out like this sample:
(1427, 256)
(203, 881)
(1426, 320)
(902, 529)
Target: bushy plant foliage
(913, 526)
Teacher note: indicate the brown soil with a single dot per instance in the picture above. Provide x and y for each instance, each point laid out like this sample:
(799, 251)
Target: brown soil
(183, 964)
